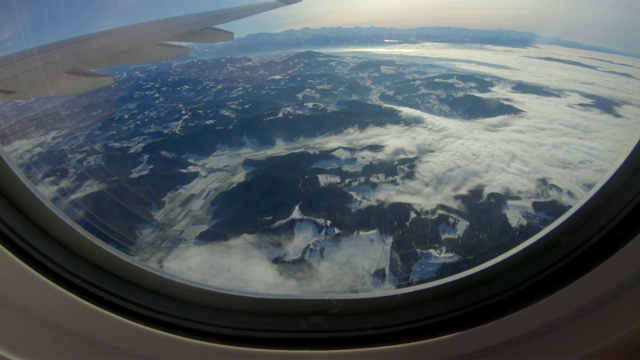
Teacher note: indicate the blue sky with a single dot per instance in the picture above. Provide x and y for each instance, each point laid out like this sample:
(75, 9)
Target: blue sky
(610, 23)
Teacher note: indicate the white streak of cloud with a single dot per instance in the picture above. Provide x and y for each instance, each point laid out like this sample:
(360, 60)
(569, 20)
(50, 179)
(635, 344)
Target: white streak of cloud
(575, 148)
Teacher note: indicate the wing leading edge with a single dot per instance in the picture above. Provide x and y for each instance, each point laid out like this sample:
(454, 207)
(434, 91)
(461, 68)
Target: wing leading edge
(64, 67)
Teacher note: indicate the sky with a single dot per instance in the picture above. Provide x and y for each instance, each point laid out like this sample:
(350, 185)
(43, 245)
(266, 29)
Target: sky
(612, 23)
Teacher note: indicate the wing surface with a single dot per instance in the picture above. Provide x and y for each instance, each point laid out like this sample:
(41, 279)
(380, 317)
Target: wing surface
(65, 67)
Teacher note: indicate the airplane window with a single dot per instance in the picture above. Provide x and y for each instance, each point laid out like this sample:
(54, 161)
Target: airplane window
(316, 156)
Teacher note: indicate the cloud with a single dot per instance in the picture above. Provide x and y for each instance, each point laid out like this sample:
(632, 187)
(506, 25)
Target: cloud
(238, 265)
(573, 147)
(245, 265)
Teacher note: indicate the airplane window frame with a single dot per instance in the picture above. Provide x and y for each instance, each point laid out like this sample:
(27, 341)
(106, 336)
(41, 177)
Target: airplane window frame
(41, 236)
(57, 249)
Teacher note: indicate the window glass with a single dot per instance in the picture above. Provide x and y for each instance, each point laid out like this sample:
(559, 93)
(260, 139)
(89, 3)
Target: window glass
(356, 152)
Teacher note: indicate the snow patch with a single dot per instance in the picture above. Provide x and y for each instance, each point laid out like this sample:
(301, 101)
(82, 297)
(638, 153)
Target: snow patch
(328, 179)
(453, 228)
(143, 169)
(429, 263)
(517, 211)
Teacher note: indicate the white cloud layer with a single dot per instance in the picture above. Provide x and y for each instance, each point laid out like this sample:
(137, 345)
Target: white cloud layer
(571, 146)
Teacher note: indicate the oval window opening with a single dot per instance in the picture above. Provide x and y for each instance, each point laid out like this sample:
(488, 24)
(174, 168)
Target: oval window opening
(323, 161)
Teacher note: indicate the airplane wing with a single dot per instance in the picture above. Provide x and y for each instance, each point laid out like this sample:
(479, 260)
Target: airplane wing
(65, 67)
